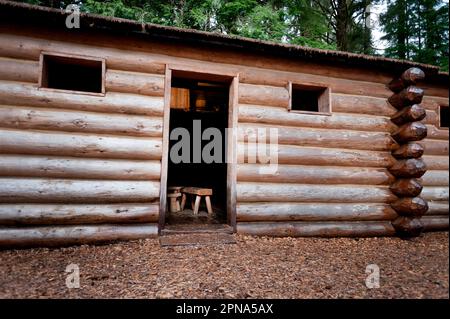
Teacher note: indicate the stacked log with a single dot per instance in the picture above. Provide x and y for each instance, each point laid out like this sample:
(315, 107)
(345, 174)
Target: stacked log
(409, 165)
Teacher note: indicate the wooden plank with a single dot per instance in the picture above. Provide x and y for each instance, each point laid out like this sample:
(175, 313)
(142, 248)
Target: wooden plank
(197, 239)
(435, 193)
(78, 121)
(435, 178)
(14, 93)
(438, 134)
(435, 147)
(437, 208)
(19, 70)
(232, 152)
(36, 190)
(197, 191)
(369, 105)
(251, 212)
(273, 192)
(345, 139)
(317, 229)
(134, 82)
(281, 116)
(71, 144)
(433, 102)
(165, 149)
(436, 162)
(315, 175)
(288, 154)
(51, 214)
(263, 95)
(432, 118)
(435, 223)
(73, 235)
(78, 168)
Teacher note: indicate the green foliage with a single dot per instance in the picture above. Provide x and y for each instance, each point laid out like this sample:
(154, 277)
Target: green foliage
(415, 29)
(307, 25)
(113, 8)
(264, 23)
(307, 42)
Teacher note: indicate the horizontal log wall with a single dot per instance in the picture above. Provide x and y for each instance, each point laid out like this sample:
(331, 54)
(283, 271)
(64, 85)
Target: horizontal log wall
(318, 229)
(79, 168)
(70, 235)
(310, 174)
(36, 118)
(62, 214)
(282, 211)
(117, 138)
(332, 176)
(436, 180)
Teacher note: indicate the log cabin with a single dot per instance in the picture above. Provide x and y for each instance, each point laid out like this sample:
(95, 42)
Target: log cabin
(86, 116)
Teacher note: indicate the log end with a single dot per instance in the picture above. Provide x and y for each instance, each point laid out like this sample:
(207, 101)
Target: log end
(406, 187)
(410, 132)
(409, 168)
(408, 114)
(409, 77)
(407, 227)
(409, 96)
(410, 150)
(410, 207)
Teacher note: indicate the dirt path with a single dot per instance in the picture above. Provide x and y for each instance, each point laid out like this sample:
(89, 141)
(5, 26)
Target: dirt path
(254, 267)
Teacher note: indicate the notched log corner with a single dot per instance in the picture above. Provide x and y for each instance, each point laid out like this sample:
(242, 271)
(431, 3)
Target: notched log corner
(412, 113)
(410, 207)
(407, 227)
(409, 96)
(409, 77)
(410, 132)
(410, 150)
(406, 187)
(409, 168)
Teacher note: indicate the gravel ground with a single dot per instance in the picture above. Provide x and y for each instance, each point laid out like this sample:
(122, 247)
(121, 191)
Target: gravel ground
(252, 268)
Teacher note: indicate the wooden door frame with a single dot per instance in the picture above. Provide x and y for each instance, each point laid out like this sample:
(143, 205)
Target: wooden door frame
(231, 155)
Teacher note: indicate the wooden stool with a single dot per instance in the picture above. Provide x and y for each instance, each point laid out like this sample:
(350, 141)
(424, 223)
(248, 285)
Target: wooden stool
(174, 203)
(174, 197)
(199, 192)
(175, 189)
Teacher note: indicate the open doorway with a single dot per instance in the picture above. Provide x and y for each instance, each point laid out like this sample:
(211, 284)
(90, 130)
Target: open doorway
(199, 107)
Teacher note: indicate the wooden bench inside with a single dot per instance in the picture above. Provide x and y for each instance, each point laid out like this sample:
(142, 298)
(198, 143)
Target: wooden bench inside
(198, 192)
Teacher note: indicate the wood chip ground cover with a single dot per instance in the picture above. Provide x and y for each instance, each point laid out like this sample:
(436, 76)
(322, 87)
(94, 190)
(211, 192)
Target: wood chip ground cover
(252, 268)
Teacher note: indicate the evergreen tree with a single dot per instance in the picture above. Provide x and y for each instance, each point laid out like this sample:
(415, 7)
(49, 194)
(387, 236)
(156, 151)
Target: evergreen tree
(415, 29)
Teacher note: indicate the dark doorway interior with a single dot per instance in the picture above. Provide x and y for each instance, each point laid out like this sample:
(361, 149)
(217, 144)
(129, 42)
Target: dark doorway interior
(207, 102)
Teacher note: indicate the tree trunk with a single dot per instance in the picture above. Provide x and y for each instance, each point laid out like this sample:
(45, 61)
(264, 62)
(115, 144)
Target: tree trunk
(342, 25)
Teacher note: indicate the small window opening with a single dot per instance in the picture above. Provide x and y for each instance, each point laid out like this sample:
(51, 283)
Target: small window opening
(72, 73)
(444, 116)
(310, 98)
